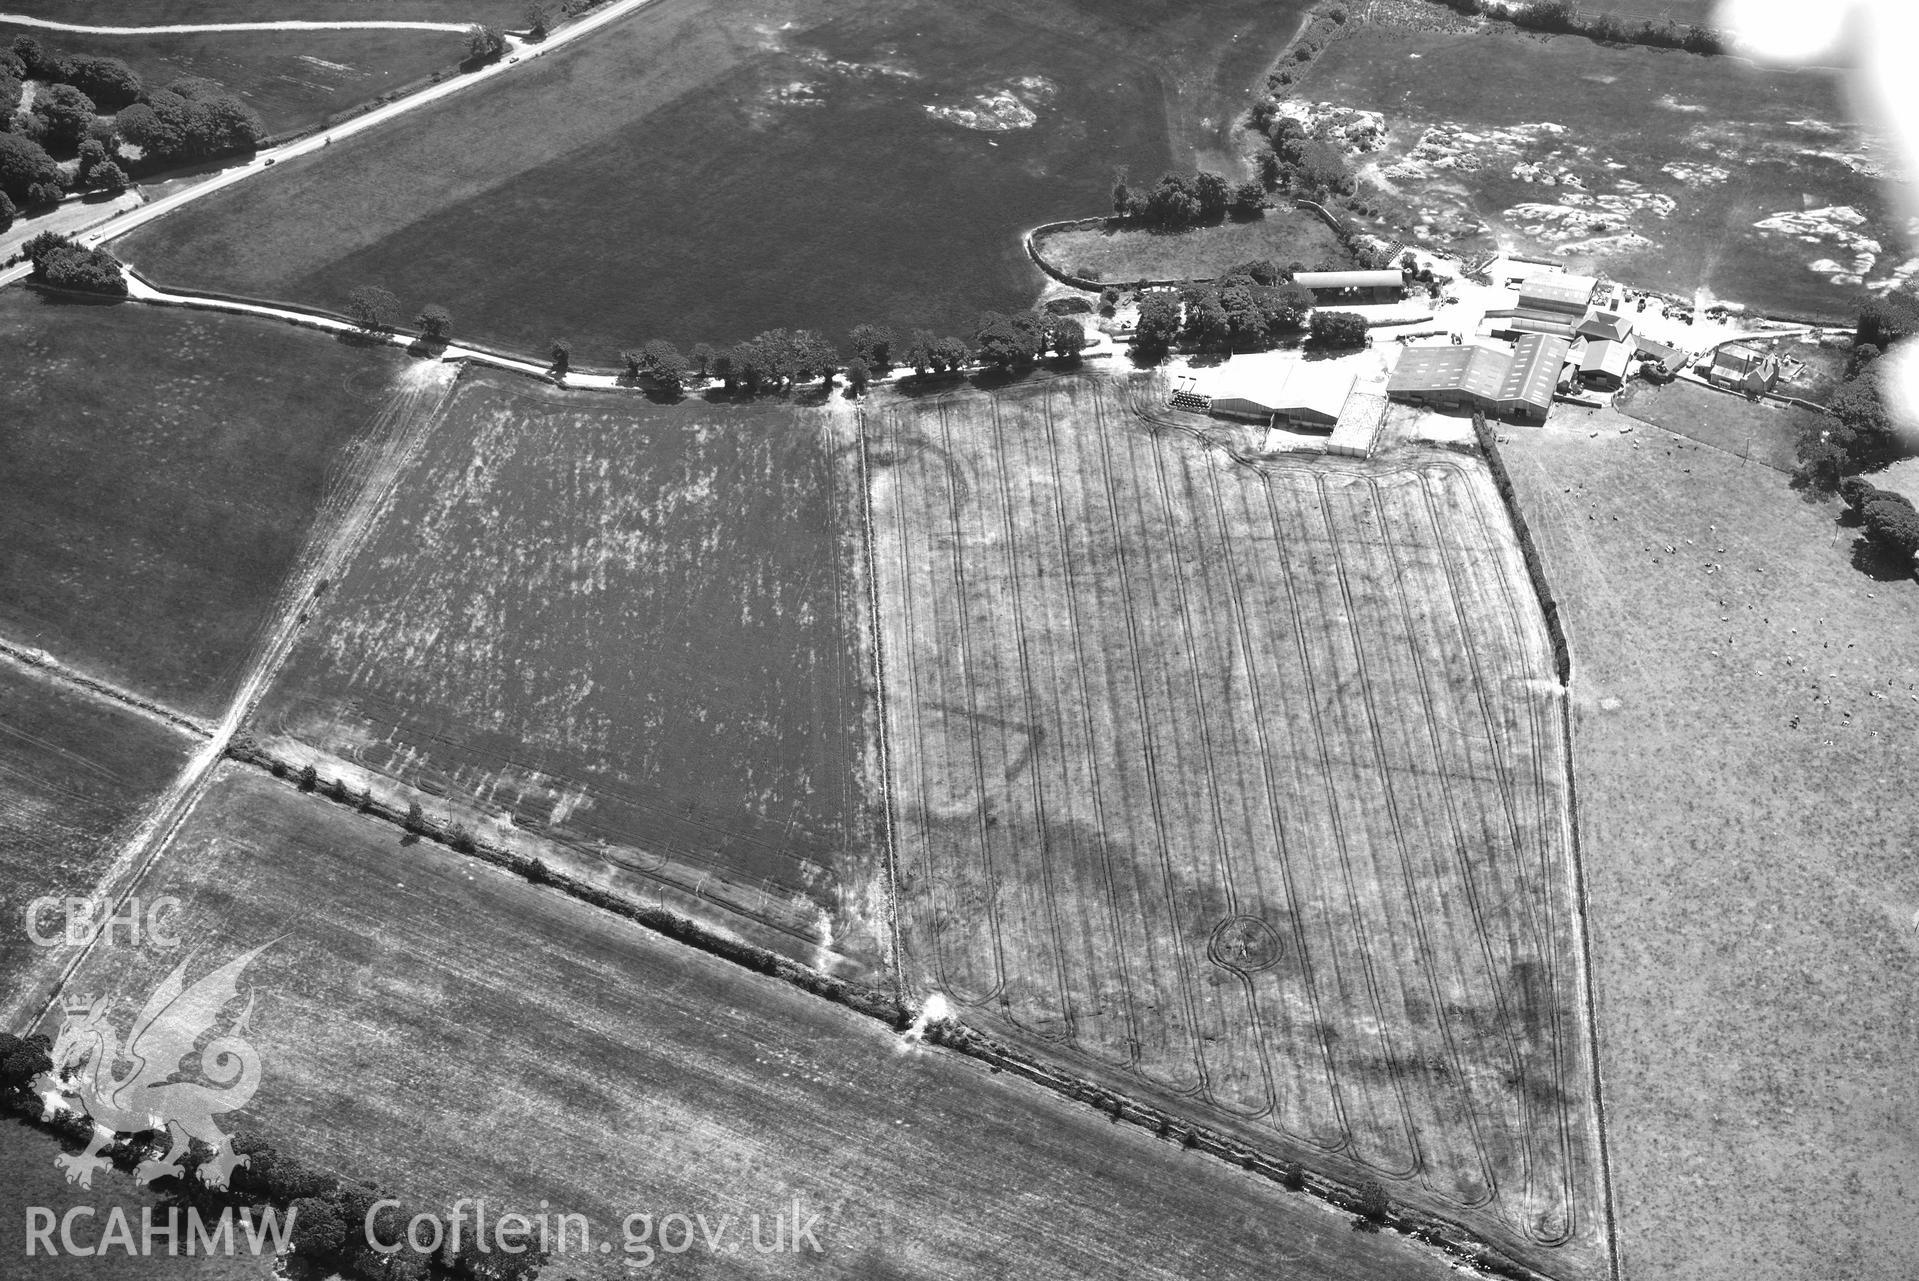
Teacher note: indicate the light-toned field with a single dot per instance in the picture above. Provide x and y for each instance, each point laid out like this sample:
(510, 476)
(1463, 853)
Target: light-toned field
(1244, 787)
(430, 1022)
(1134, 253)
(1746, 732)
(628, 629)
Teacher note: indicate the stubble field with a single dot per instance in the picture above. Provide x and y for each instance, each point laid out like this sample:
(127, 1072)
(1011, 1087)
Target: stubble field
(627, 629)
(1245, 787)
(1744, 710)
(813, 163)
(149, 523)
(410, 1031)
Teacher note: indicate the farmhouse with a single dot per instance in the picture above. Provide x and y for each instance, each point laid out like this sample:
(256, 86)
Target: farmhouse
(1517, 383)
(1353, 286)
(1745, 368)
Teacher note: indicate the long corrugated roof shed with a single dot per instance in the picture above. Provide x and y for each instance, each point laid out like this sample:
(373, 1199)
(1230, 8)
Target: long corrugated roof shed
(1393, 279)
(1558, 293)
(1472, 368)
(1534, 371)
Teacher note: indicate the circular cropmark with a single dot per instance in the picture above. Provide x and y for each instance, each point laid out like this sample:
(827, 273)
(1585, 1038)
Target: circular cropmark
(1244, 944)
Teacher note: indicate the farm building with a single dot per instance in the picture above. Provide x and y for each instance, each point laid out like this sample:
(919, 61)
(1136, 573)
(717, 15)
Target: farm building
(1604, 326)
(1353, 286)
(1512, 321)
(1516, 384)
(1314, 396)
(1665, 353)
(1603, 362)
(1746, 368)
(1567, 295)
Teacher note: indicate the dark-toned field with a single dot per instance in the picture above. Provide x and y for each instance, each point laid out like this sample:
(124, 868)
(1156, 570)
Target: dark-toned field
(628, 628)
(1283, 235)
(30, 1177)
(1654, 166)
(294, 79)
(155, 13)
(812, 163)
(1763, 431)
(76, 776)
(1244, 787)
(432, 1023)
(160, 472)
(1744, 708)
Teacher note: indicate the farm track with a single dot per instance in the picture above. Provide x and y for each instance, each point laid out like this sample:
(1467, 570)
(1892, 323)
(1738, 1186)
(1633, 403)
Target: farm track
(1167, 618)
(347, 513)
(198, 28)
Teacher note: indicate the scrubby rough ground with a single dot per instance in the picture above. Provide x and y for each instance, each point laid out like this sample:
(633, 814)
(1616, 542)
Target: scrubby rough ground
(1746, 732)
(450, 1031)
(631, 631)
(1245, 787)
(1659, 167)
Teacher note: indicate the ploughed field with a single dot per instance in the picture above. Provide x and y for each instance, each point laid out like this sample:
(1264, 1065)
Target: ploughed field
(447, 1030)
(629, 631)
(1744, 706)
(162, 474)
(1658, 167)
(1243, 786)
(77, 775)
(706, 169)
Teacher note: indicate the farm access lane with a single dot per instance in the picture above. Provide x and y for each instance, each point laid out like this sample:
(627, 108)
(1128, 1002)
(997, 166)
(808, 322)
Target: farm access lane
(518, 50)
(195, 28)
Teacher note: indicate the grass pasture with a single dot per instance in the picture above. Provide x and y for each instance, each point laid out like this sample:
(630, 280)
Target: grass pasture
(1759, 430)
(1132, 253)
(1496, 129)
(410, 1032)
(1244, 787)
(294, 79)
(727, 166)
(76, 775)
(630, 629)
(160, 472)
(1743, 724)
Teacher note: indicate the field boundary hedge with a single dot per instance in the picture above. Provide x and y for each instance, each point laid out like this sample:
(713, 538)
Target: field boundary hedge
(894, 1010)
(1562, 660)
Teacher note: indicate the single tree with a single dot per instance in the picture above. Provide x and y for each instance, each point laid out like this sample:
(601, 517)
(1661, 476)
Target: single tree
(435, 322)
(373, 309)
(108, 81)
(857, 375)
(309, 778)
(415, 821)
(1373, 1206)
(561, 352)
(538, 13)
(1338, 329)
(951, 355)
(701, 358)
(64, 113)
(7, 212)
(1249, 198)
(93, 153)
(1066, 336)
(483, 44)
(662, 362)
(919, 352)
(1893, 526)
(110, 177)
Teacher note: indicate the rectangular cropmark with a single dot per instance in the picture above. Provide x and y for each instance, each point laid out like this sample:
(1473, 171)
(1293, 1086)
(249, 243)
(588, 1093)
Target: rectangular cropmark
(1246, 784)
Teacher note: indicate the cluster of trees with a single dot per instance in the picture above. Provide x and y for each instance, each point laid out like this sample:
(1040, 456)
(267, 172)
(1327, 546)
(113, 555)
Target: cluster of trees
(1250, 308)
(1302, 163)
(64, 264)
(1018, 341)
(1859, 433)
(193, 118)
(1320, 33)
(28, 176)
(1563, 17)
(483, 43)
(1890, 521)
(1186, 200)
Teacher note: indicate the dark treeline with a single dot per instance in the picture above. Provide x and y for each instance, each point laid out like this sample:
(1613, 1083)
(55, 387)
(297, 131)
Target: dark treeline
(1252, 307)
(1187, 200)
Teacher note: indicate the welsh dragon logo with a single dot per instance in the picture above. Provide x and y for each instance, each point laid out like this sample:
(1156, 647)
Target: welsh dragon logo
(149, 1095)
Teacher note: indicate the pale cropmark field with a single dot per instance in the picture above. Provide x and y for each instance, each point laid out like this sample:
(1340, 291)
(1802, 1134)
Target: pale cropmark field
(1243, 786)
